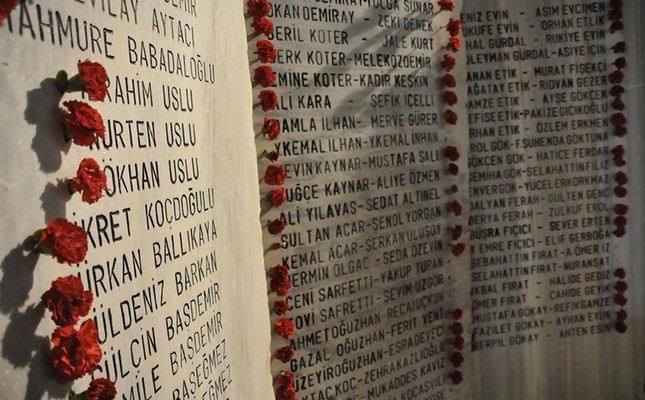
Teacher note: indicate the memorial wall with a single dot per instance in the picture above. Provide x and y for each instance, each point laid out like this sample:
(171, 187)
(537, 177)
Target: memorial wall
(324, 199)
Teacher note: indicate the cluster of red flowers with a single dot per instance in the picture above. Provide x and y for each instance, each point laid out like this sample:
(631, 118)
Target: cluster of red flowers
(284, 389)
(616, 16)
(453, 155)
(448, 63)
(456, 357)
(76, 353)
(621, 300)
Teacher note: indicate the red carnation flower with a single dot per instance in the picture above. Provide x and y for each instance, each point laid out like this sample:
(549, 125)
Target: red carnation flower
(275, 175)
(456, 359)
(450, 117)
(616, 90)
(100, 389)
(621, 315)
(453, 189)
(454, 26)
(75, 353)
(65, 241)
(285, 354)
(457, 328)
(620, 191)
(266, 51)
(6, 6)
(616, 77)
(620, 299)
(276, 226)
(620, 273)
(621, 178)
(455, 206)
(284, 328)
(268, 99)
(619, 161)
(456, 377)
(458, 343)
(453, 169)
(457, 231)
(280, 307)
(619, 47)
(271, 128)
(90, 180)
(445, 5)
(264, 76)
(262, 25)
(272, 155)
(620, 231)
(450, 97)
(285, 393)
(452, 153)
(615, 14)
(621, 286)
(277, 197)
(449, 80)
(621, 327)
(454, 44)
(456, 314)
(286, 378)
(621, 62)
(258, 8)
(279, 276)
(275, 246)
(620, 209)
(618, 119)
(618, 104)
(67, 300)
(620, 220)
(620, 131)
(94, 79)
(616, 3)
(616, 26)
(458, 249)
(448, 62)
(83, 124)
(618, 150)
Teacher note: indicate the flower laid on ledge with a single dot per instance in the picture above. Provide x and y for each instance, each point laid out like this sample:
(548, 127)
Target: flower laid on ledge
(621, 327)
(449, 80)
(458, 342)
(280, 307)
(275, 246)
(621, 315)
(457, 231)
(620, 191)
(63, 240)
(450, 97)
(284, 328)
(620, 231)
(277, 197)
(285, 393)
(276, 226)
(455, 207)
(456, 314)
(457, 328)
(271, 128)
(621, 286)
(618, 119)
(266, 51)
(458, 249)
(454, 26)
(6, 6)
(91, 78)
(90, 180)
(615, 14)
(67, 300)
(456, 377)
(258, 8)
(618, 104)
(272, 155)
(264, 76)
(620, 63)
(262, 25)
(452, 189)
(99, 389)
(454, 44)
(446, 5)
(453, 169)
(286, 378)
(620, 273)
(616, 90)
(456, 359)
(452, 153)
(83, 124)
(285, 354)
(616, 26)
(620, 220)
(620, 299)
(619, 153)
(275, 175)
(448, 62)
(268, 99)
(279, 276)
(619, 47)
(450, 117)
(616, 77)
(75, 353)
